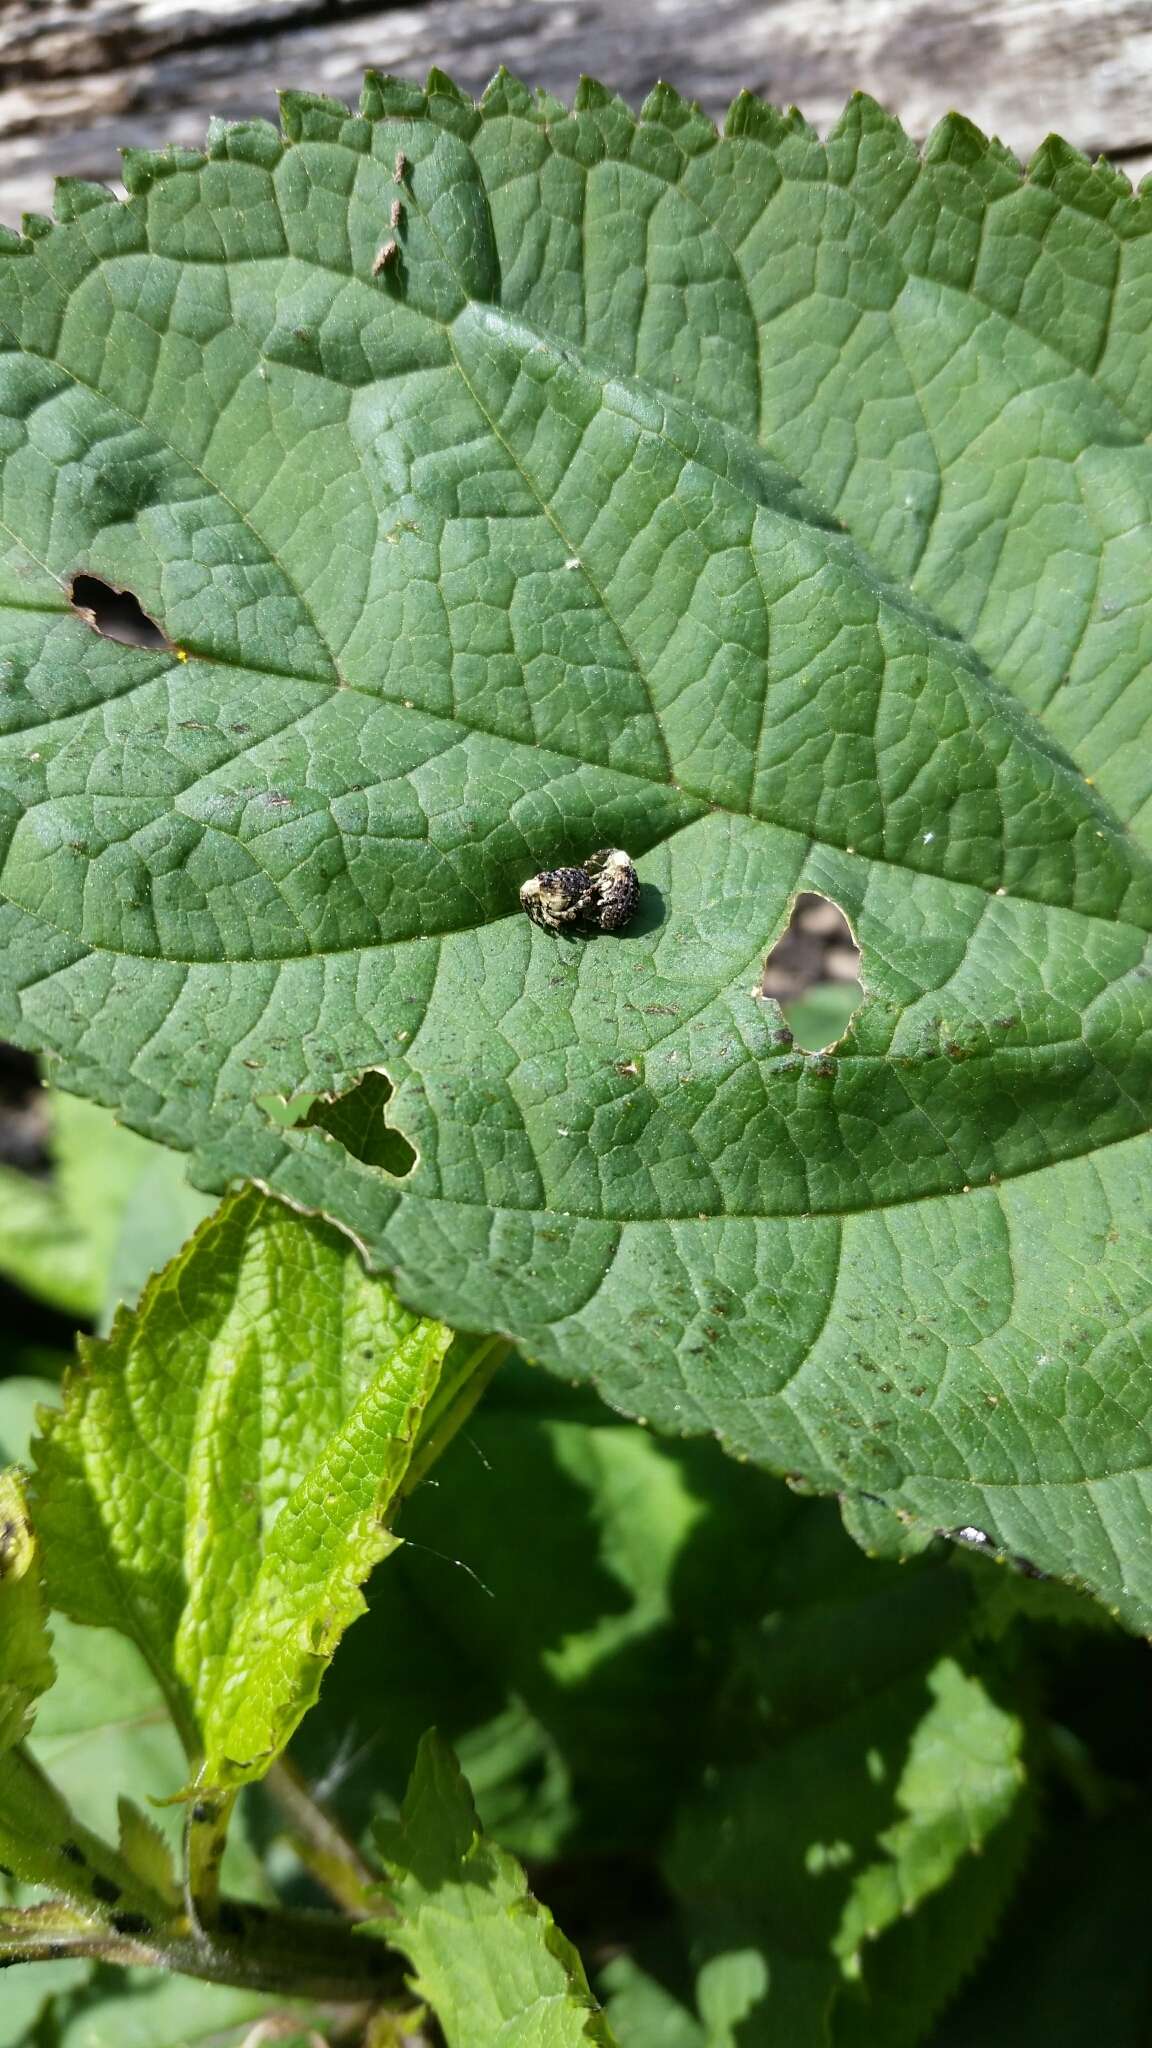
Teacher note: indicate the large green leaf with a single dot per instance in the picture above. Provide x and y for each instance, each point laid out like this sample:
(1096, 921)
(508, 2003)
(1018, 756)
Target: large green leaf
(521, 537)
(221, 1479)
(491, 1960)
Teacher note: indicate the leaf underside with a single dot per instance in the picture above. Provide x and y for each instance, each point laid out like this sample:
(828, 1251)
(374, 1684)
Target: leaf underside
(775, 510)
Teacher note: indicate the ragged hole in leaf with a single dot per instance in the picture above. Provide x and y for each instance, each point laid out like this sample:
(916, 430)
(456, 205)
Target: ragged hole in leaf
(116, 614)
(813, 972)
(356, 1120)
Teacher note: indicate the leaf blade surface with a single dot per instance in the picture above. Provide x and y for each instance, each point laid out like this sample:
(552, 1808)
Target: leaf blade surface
(526, 540)
(220, 1480)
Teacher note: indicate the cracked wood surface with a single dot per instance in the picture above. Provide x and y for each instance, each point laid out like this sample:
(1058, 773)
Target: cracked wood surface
(80, 81)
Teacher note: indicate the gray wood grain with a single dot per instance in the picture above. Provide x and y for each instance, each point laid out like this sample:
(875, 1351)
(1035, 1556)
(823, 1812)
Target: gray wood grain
(79, 80)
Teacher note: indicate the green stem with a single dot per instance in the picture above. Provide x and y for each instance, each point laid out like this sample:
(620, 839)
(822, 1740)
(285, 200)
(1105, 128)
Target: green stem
(469, 1367)
(287, 1953)
(205, 1838)
(322, 1845)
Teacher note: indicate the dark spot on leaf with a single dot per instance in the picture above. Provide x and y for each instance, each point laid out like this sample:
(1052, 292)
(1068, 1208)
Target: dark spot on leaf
(116, 614)
(131, 1923)
(72, 1852)
(357, 1121)
(1027, 1569)
(204, 1810)
(104, 1888)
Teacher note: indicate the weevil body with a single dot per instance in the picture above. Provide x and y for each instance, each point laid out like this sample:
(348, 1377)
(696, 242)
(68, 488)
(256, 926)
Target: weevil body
(599, 896)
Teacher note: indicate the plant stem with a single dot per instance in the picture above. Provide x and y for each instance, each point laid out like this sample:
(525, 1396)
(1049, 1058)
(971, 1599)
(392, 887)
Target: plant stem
(460, 1388)
(322, 1844)
(285, 1952)
(205, 1836)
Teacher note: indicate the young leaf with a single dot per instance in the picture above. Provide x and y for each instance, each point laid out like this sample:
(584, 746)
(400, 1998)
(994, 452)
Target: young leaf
(41, 1841)
(26, 1668)
(507, 483)
(220, 1481)
(103, 1725)
(489, 1959)
(104, 1728)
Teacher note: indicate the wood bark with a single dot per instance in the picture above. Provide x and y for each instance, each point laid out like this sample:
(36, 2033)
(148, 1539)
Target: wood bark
(80, 78)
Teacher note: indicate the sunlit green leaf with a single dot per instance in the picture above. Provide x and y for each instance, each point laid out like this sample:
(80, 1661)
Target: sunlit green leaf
(221, 1479)
(488, 1958)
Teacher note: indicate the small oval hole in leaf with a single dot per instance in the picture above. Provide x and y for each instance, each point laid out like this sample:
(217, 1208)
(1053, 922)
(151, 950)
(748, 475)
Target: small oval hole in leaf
(813, 972)
(116, 614)
(357, 1121)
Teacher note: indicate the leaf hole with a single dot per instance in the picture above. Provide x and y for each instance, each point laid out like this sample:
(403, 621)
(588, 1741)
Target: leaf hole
(116, 614)
(813, 972)
(286, 1110)
(358, 1121)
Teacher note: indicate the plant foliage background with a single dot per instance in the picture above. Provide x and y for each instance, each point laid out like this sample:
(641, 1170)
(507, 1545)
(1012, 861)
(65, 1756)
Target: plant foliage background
(504, 481)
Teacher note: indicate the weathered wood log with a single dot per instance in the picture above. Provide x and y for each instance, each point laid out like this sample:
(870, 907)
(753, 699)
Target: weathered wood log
(77, 81)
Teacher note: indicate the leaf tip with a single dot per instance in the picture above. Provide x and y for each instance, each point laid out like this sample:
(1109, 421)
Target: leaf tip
(143, 168)
(74, 197)
(312, 117)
